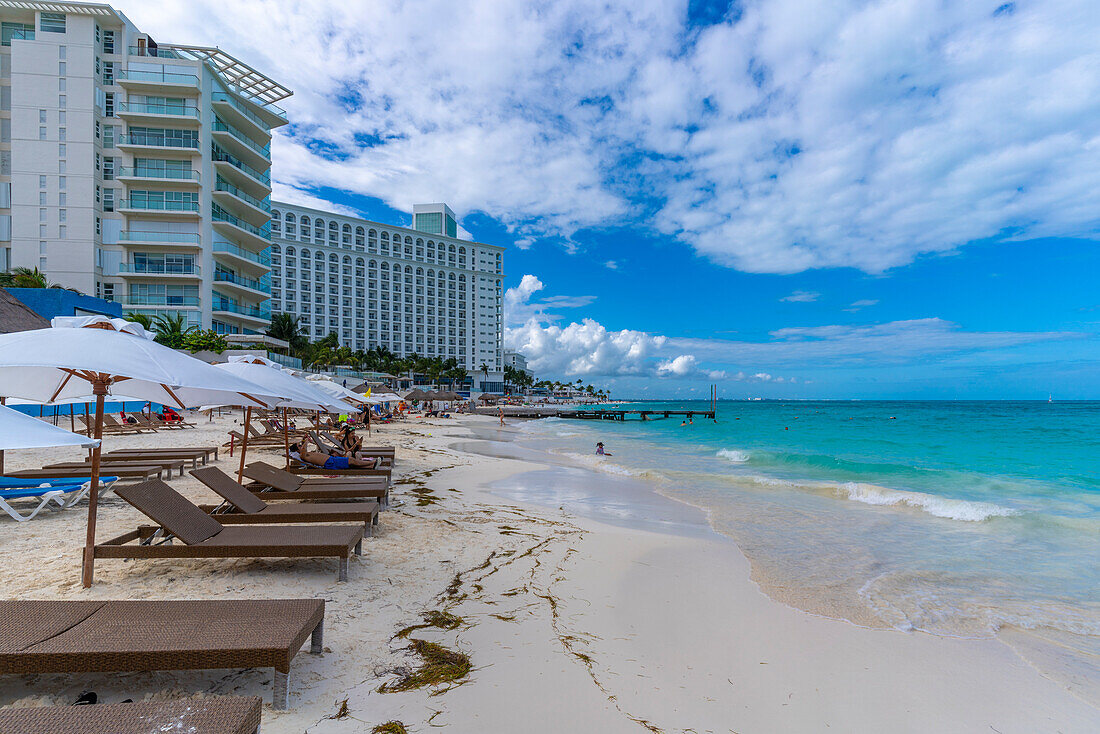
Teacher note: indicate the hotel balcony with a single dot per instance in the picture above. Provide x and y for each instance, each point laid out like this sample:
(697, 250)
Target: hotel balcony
(239, 144)
(265, 114)
(227, 307)
(128, 300)
(186, 240)
(244, 205)
(237, 256)
(158, 82)
(241, 285)
(147, 270)
(166, 177)
(236, 228)
(236, 112)
(240, 174)
(142, 113)
(144, 145)
(160, 209)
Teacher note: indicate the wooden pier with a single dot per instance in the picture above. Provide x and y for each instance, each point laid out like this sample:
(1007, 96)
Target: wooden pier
(645, 415)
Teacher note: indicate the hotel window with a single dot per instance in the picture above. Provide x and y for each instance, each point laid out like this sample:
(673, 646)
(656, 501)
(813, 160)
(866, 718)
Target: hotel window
(51, 22)
(108, 200)
(61, 68)
(108, 72)
(108, 168)
(108, 42)
(108, 136)
(109, 104)
(17, 31)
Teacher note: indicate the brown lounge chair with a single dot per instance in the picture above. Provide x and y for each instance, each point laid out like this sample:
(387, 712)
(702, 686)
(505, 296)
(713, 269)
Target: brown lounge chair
(202, 453)
(126, 471)
(222, 715)
(205, 537)
(241, 507)
(166, 465)
(329, 443)
(138, 636)
(383, 451)
(275, 484)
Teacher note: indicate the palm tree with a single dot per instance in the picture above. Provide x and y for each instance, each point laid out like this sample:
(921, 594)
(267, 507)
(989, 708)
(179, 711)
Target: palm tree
(23, 277)
(140, 318)
(484, 369)
(171, 330)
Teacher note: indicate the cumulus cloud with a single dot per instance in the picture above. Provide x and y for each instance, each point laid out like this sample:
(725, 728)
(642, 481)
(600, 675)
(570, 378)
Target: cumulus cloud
(611, 265)
(585, 348)
(791, 134)
(519, 306)
(801, 297)
(681, 366)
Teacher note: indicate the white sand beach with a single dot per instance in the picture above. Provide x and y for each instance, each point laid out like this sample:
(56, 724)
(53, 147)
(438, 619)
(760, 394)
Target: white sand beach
(570, 624)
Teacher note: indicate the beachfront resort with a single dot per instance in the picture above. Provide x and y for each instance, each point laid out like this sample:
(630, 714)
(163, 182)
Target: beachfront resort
(271, 465)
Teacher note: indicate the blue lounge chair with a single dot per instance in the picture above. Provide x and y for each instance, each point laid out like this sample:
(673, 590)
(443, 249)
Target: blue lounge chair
(62, 492)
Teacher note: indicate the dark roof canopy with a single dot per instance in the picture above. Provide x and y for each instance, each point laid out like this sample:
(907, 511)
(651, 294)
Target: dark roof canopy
(16, 316)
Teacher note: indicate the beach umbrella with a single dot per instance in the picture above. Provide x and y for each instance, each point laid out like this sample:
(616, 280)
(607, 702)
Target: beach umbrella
(62, 362)
(295, 393)
(21, 431)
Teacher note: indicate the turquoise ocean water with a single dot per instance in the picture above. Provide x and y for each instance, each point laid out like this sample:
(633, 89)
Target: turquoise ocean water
(956, 518)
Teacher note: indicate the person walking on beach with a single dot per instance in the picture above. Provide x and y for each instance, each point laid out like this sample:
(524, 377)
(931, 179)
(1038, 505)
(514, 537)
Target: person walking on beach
(500, 412)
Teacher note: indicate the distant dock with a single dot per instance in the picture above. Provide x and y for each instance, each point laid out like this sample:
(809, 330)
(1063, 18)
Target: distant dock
(645, 415)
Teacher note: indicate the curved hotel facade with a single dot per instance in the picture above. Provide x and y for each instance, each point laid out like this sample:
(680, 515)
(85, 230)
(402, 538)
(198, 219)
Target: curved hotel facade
(133, 170)
(413, 291)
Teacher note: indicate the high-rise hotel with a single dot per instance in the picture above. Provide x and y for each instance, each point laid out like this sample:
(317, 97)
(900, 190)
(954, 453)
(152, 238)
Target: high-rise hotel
(413, 291)
(135, 170)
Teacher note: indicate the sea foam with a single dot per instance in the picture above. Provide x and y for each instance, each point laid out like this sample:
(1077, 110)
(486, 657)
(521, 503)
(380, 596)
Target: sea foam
(954, 509)
(735, 455)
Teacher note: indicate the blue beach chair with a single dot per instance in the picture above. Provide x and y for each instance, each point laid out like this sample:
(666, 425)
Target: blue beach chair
(62, 492)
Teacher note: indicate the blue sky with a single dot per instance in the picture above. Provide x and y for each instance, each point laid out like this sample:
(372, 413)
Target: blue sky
(792, 198)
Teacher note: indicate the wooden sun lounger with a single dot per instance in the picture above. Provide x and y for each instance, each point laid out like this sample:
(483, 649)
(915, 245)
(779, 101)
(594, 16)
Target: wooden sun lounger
(308, 469)
(202, 453)
(115, 425)
(168, 465)
(205, 537)
(221, 715)
(125, 471)
(136, 636)
(276, 484)
(326, 439)
(242, 507)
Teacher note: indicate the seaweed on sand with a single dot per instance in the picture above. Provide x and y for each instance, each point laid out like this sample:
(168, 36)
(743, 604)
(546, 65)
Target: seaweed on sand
(390, 727)
(441, 666)
(434, 618)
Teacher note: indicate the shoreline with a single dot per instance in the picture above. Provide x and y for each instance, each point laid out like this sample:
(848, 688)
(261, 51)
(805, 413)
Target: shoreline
(570, 623)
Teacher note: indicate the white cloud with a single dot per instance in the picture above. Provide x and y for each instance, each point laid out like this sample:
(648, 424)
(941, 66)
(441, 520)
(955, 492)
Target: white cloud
(805, 134)
(611, 265)
(681, 366)
(861, 304)
(801, 297)
(585, 348)
(519, 307)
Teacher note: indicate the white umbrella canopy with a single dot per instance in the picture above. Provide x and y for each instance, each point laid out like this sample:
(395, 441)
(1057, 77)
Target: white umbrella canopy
(63, 361)
(295, 392)
(57, 364)
(337, 391)
(21, 431)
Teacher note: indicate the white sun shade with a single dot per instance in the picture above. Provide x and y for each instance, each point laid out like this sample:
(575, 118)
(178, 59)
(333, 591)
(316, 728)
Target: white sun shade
(46, 365)
(19, 431)
(295, 392)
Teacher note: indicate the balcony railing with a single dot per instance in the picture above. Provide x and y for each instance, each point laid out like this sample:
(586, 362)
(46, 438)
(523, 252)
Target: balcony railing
(158, 269)
(263, 204)
(261, 150)
(260, 258)
(160, 53)
(156, 141)
(138, 300)
(163, 206)
(231, 306)
(270, 107)
(158, 108)
(221, 215)
(163, 173)
(240, 107)
(263, 285)
(158, 77)
(192, 238)
(220, 155)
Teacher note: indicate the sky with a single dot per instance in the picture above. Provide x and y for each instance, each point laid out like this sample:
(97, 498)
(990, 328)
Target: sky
(786, 198)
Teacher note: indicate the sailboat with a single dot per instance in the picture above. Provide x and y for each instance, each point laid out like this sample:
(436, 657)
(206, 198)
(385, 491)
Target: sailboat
(1050, 398)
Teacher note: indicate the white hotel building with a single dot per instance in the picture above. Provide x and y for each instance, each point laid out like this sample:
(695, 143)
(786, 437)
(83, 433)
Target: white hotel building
(135, 170)
(413, 291)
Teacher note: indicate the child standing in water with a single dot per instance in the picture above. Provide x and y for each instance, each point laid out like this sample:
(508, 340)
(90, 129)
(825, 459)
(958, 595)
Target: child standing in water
(600, 451)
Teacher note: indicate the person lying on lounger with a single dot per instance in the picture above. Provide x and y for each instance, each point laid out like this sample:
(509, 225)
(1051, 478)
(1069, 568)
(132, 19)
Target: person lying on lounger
(323, 460)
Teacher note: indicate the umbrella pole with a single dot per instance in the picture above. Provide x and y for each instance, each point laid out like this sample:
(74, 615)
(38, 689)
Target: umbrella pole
(244, 443)
(3, 401)
(87, 423)
(99, 389)
(286, 440)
